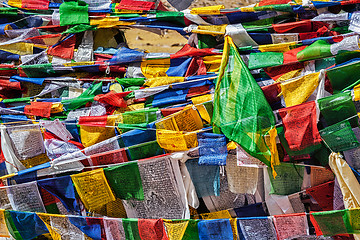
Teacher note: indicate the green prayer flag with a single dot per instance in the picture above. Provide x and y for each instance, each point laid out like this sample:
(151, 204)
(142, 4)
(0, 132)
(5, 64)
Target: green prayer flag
(74, 12)
(125, 181)
(128, 82)
(145, 150)
(241, 111)
(38, 70)
(192, 231)
(265, 59)
(333, 222)
(74, 103)
(319, 49)
(131, 229)
(338, 107)
(288, 180)
(339, 137)
(80, 28)
(173, 17)
(140, 116)
(343, 76)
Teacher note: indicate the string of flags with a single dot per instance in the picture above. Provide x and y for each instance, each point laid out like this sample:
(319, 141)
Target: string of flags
(249, 131)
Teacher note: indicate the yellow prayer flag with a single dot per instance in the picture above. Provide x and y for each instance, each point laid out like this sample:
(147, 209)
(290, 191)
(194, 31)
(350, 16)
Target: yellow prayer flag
(116, 87)
(93, 189)
(247, 9)
(212, 63)
(233, 223)
(201, 99)
(161, 81)
(56, 108)
(279, 47)
(172, 141)
(91, 135)
(15, 3)
(3, 228)
(357, 92)
(274, 160)
(210, 10)
(108, 22)
(224, 214)
(20, 48)
(204, 113)
(211, 29)
(175, 229)
(187, 120)
(297, 91)
(289, 75)
(155, 67)
(46, 219)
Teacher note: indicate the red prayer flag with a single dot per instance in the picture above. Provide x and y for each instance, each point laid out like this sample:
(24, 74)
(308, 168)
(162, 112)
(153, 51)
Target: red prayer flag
(112, 98)
(300, 125)
(293, 27)
(64, 49)
(196, 67)
(93, 121)
(135, 5)
(41, 109)
(323, 194)
(150, 229)
(168, 111)
(290, 56)
(35, 4)
(188, 51)
(278, 71)
(111, 157)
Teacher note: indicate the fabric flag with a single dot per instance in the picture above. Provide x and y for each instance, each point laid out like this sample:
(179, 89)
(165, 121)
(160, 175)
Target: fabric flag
(125, 181)
(131, 228)
(206, 179)
(25, 225)
(323, 195)
(114, 229)
(291, 225)
(175, 229)
(331, 223)
(109, 157)
(343, 75)
(145, 150)
(241, 179)
(62, 188)
(288, 180)
(224, 214)
(176, 67)
(297, 91)
(338, 107)
(63, 227)
(64, 49)
(212, 149)
(348, 183)
(215, 229)
(319, 49)
(300, 125)
(126, 55)
(173, 141)
(42, 109)
(112, 98)
(339, 137)
(150, 229)
(256, 228)
(94, 129)
(73, 13)
(160, 177)
(240, 107)
(252, 210)
(93, 189)
(91, 230)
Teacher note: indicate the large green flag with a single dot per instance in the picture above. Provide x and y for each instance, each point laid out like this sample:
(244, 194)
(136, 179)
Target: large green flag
(241, 111)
